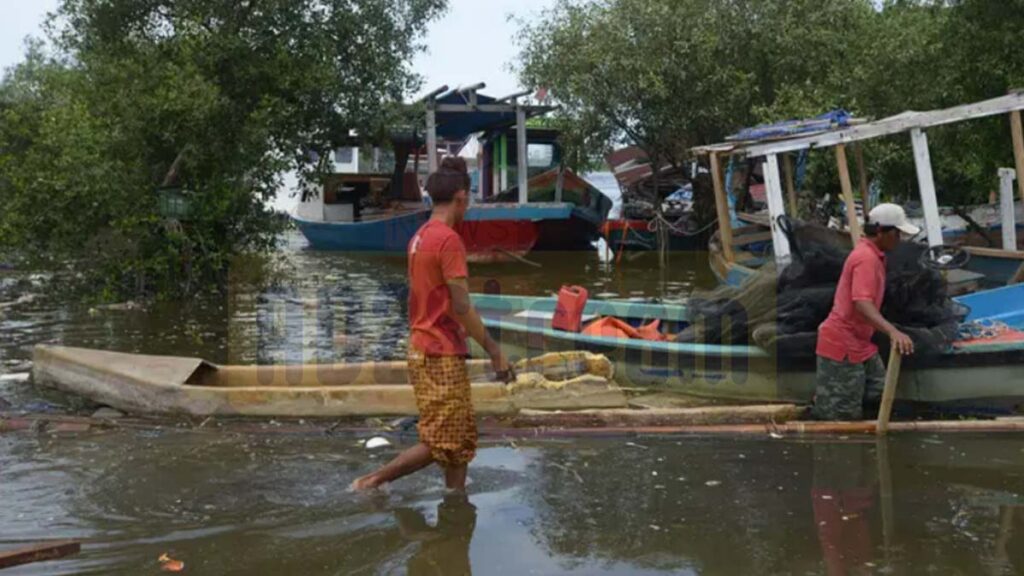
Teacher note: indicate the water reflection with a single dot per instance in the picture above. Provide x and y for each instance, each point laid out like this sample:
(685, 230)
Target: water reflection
(844, 499)
(444, 548)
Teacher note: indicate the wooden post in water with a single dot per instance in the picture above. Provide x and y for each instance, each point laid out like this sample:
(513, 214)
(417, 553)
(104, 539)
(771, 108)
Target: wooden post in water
(847, 188)
(1018, 149)
(39, 553)
(885, 495)
(722, 209)
(892, 378)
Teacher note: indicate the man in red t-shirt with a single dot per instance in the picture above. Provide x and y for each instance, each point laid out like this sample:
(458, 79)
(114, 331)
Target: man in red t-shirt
(850, 370)
(440, 316)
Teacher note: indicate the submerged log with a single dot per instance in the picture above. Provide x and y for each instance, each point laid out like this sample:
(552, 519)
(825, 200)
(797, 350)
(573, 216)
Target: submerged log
(702, 416)
(39, 553)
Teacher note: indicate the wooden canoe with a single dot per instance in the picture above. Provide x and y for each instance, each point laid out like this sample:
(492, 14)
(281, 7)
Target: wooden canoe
(176, 385)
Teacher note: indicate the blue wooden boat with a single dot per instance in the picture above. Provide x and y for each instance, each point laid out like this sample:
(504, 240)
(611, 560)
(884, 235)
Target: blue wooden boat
(386, 233)
(983, 377)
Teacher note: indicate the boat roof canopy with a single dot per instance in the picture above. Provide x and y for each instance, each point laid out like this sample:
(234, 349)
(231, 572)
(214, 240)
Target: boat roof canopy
(854, 132)
(464, 111)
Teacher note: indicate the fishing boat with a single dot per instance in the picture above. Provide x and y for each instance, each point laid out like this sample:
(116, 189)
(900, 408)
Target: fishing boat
(175, 385)
(985, 377)
(546, 207)
(731, 255)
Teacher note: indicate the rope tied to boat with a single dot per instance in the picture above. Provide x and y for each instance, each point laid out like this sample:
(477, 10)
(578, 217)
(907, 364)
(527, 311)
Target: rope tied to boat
(678, 227)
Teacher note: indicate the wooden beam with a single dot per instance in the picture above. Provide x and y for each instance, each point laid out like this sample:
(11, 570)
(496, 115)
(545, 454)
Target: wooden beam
(893, 125)
(926, 184)
(1007, 214)
(862, 175)
(787, 167)
(494, 108)
(722, 209)
(1018, 149)
(892, 379)
(776, 209)
(560, 183)
(39, 553)
(522, 170)
(847, 187)
(431, 138)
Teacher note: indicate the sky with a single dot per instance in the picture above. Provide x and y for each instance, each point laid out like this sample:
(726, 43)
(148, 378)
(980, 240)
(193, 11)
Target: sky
(472, 43)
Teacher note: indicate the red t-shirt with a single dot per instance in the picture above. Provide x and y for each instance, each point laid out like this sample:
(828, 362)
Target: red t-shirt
(436, 255)
(845, 334)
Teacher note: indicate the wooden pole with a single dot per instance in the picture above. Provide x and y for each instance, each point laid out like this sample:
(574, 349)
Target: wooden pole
(776, 208)
(787, 167)
(892, 378)
(431, 137)
(522, 168)
(1007, 213)
(1018, 149)
(926, 184)
(722, 209)
(862, 175)
(847, 187)
(39, 553)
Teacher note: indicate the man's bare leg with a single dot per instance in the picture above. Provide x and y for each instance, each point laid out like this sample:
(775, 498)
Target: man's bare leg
(409, 461)
(455, 477)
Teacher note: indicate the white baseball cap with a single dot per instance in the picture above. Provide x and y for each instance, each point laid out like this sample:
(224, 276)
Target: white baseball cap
(892, 215)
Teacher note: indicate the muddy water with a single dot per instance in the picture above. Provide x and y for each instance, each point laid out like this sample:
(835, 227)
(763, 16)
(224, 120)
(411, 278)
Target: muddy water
(276, 504)
(271, 503)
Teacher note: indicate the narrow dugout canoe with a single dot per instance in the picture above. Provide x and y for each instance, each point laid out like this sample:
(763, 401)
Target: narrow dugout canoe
(176, 385)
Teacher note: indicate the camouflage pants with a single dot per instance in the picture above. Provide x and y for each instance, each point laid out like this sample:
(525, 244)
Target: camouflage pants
(843, 387)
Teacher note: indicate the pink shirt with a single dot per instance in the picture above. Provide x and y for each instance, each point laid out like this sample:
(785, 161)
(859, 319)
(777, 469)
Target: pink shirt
(845, 334)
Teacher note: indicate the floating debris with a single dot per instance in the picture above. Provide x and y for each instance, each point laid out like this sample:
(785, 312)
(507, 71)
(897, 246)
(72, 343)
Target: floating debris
(16, 377)
(377, 442)
(168, 564)
(712, 483)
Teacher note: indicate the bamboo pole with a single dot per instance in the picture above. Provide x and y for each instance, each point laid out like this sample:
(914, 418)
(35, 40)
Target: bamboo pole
(892, 378)
(787, 168)
(862, 175)
(847, 187)
(1018, 149)
(722, 209)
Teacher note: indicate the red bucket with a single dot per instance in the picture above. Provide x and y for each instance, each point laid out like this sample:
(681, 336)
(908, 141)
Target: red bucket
(569, 309)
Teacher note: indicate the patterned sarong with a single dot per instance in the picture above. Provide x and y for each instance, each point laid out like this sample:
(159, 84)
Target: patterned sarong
(447, 422)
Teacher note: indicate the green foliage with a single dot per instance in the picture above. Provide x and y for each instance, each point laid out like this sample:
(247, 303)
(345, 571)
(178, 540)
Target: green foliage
(216, 97)
(670, 74)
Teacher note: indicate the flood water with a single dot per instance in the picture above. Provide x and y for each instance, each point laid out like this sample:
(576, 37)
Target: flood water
(267, 502)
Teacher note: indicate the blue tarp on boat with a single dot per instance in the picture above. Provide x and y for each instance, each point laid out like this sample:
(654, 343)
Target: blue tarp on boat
(838, 118)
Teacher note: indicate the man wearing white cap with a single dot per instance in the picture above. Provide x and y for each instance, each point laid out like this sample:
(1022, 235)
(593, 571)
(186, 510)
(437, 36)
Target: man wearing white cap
(850, 370)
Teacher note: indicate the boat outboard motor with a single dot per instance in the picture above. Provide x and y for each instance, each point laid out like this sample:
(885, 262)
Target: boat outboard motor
(944, 257)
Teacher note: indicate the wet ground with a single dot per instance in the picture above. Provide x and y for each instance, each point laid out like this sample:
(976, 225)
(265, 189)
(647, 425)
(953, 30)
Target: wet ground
(273, 503)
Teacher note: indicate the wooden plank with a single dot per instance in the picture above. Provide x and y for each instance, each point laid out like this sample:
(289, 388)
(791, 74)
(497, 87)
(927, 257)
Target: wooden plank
(893, 125)
(704, 415)
(776, 209)
(751, 238)
(862, 175)
(39, 553)
(522, 170)
(926, 185)
(994, 252)
(761, 220)
(722, 209)
(892, 378)
(787, 167)
(852, 223)
(1018, 149)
